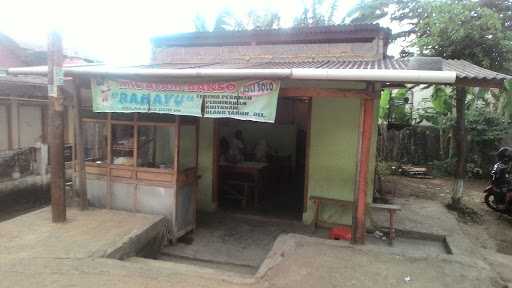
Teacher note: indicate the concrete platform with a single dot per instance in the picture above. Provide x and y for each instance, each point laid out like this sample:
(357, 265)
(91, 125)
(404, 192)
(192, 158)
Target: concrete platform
(36, 253)
(428, 220)
(240, 243)
(85, 234)
(234, 239)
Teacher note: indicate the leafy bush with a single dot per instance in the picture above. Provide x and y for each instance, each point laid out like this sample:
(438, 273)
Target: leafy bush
(443, 167)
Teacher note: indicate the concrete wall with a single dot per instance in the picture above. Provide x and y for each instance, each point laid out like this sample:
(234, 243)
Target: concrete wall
(30, 125)
(26, 120)
(274, 53)
(32, 168)
(4, 128)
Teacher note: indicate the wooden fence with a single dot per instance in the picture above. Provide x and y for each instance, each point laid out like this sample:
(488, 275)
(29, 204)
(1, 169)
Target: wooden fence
(412, 145)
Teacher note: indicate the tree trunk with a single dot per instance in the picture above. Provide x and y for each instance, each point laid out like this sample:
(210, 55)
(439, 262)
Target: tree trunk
(441, 144)
(452, 144)
(460, 146)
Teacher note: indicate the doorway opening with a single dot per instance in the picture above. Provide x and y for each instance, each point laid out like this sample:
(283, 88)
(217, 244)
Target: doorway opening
(261, 167)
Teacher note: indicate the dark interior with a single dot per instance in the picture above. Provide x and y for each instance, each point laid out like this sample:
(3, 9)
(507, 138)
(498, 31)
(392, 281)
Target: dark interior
(267, 176)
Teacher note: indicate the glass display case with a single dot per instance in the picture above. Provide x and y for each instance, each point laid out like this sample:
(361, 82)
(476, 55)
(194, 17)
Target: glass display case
(143, 162)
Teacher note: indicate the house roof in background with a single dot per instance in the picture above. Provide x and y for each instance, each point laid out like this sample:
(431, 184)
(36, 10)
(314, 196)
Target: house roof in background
(24, 80)
(297, 35)
(23, 86)
(31, 54)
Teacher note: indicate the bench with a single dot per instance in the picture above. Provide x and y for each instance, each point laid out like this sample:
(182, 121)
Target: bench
(319, 200)
(391, 208)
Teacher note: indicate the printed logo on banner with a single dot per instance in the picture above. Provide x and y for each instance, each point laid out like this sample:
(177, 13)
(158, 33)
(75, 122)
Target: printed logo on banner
(246, 100)
(257, 88)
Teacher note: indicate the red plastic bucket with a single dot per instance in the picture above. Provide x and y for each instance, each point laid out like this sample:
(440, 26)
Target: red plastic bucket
(341, 233)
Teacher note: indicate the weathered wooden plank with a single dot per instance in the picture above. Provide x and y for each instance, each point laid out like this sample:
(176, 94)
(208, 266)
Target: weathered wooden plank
(385, 206)
(321, 92)
(56, 130)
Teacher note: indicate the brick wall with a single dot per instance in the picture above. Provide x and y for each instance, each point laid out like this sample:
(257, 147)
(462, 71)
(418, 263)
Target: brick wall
(270, 53)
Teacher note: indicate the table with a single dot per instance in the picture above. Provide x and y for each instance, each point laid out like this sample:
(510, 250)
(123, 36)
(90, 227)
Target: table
(254, 169)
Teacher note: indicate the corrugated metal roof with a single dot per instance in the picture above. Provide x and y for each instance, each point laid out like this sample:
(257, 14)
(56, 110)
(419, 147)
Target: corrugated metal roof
(464, 69)
(24, 80)
(23, 86)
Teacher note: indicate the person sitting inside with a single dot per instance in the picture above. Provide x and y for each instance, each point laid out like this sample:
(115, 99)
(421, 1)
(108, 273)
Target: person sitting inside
(236, 150)
(500, 177)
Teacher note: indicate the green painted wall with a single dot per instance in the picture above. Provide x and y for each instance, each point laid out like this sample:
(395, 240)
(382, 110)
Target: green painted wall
(333, 155)
(205, 163)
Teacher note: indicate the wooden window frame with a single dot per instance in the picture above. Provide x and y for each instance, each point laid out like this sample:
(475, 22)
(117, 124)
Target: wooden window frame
(133, 171)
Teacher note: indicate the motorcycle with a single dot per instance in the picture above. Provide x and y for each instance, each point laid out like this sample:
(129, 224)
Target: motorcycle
(490, 201)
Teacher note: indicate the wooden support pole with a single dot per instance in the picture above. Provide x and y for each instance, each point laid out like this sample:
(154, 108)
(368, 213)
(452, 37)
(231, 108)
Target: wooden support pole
(215, 163)
(56, 127)
(177, 148)
(79, 146)
(460, 108)
(359, 223)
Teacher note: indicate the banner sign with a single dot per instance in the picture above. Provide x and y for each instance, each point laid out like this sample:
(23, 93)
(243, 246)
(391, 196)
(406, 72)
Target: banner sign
(246, 99)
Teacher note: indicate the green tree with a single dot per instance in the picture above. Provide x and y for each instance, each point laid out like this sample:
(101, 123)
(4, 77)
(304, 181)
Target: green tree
(459, 29)
(464, 30)
(314, 13)
(368, 11)
(441, 115)
(503, 8)
(393, 106)
(227, 21)
(442, 27)
(317, 13)
(263, 21)
(486, 124)
(455, 29)
(200, 23)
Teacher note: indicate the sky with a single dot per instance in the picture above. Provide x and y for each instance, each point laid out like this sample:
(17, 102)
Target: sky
(118, 32)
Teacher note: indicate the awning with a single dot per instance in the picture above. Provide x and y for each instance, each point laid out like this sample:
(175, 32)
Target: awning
(427, 70)
(402, 76)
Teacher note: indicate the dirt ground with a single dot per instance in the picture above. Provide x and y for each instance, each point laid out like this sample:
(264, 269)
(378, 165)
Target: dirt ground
(484, 227)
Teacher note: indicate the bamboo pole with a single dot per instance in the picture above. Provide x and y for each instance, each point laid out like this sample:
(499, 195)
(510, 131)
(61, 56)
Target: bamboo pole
(56, 127)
